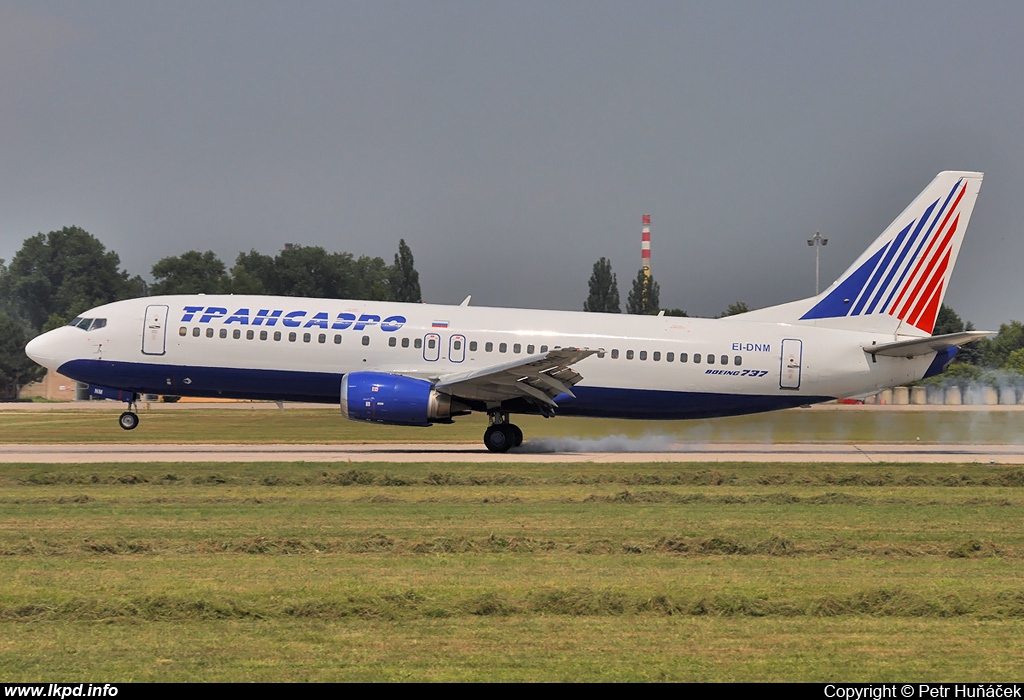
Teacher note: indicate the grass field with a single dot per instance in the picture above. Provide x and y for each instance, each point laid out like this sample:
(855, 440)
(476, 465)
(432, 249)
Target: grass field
(610, 572)
(324, 425)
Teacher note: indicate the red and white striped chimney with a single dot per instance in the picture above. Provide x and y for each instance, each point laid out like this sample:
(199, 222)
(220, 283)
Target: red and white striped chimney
(645, 245)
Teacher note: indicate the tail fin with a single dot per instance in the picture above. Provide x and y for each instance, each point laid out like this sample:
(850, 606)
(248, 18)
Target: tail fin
(897, 284)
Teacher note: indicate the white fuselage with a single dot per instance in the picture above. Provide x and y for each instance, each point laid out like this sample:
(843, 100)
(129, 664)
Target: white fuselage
(288, 348)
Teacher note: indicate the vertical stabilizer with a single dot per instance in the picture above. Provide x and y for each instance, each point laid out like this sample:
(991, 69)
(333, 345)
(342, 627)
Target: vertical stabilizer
(897, 284)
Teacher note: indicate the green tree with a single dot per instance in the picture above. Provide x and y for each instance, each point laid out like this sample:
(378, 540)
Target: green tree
(16, 369)
(996, 352)
(310, 271)
(371, 279)
(252, 274)
(57, 275)
(404, 280)
(734, 309)
(676, 312)
(1015, 361)
(190, 273)
(948, 321)
(604, 289)
(644, 297)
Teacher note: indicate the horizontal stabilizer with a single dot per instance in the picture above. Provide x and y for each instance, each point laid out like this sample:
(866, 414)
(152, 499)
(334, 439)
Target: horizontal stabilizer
(925, 346)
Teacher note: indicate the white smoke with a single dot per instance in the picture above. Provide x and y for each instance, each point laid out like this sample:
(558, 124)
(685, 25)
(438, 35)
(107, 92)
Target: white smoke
(609, 443)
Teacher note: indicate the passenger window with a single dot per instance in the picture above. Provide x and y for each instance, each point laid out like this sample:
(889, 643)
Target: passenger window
(366, 340)
(517, 348)
(183, 331)
(249, 335)
(263, 335)
(418, 343)
(196, 331)
(503, 347)
(643, 354)
(472, 346)
(696, 358)
(529, 349)
(405, 342)
(738, 360)
(629, 354)
(209, 332)
(711, 359)
(292, 336)
(543, 348)
(615, 354)
(277, 335)
(683, 357)
(322, 338)
(236, 334)
(337, 338)
(670, 356)
(457, 344)
(392, 342)
(306, 337)
(724, 359)
(488, 347)
(600, 354)
(223, 332)
(656, 356)
(430, 343)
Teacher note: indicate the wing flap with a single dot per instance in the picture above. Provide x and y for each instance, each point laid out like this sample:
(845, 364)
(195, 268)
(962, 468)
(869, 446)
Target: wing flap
(540, 378)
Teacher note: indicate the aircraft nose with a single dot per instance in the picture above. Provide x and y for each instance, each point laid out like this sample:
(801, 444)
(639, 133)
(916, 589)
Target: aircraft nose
(42, 350)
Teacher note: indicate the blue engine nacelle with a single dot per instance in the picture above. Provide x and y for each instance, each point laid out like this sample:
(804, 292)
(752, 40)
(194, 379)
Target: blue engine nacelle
(379, 397)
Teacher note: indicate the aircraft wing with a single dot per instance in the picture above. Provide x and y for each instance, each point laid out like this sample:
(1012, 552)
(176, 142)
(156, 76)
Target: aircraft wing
(538, 378)
(924, 346)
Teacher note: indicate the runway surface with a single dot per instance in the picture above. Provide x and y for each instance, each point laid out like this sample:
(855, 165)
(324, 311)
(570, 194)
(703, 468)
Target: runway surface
(539, 451)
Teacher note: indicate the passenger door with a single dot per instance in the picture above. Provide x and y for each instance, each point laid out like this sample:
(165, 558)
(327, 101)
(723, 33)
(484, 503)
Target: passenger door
(792, 359)
(154, 330)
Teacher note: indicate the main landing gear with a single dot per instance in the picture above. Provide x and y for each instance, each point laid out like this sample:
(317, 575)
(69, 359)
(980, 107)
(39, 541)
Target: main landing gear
(501, 435)
(129, 420)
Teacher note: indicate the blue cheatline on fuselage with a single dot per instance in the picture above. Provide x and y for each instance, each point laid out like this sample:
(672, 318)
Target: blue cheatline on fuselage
(324, 387)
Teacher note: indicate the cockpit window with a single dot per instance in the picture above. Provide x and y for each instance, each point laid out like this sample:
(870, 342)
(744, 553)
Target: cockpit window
(88, 324)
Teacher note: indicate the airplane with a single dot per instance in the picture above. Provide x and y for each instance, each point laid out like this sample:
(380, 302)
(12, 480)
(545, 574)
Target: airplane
(420, 364)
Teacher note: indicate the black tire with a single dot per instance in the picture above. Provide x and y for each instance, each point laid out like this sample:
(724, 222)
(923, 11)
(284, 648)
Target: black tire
(517, 435)
(128, 420)
(498, 438)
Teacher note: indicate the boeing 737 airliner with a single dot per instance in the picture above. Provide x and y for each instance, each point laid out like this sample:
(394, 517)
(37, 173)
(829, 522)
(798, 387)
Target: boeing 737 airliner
(418, 364)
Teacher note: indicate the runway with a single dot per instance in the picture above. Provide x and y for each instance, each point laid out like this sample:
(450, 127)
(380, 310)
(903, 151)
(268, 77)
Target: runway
(553, 451)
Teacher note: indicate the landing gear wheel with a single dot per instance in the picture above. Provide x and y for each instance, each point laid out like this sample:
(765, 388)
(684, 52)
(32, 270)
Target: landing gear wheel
(128, 420)
(517, 435)
(499, 438)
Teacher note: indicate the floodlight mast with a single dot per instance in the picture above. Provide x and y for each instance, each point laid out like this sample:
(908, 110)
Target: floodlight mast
(817, 242)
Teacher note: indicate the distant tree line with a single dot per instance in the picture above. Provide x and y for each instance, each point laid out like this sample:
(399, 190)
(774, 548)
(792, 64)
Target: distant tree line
(57, 275)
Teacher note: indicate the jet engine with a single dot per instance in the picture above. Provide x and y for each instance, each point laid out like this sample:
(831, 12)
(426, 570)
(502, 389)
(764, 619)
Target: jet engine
(392, 399)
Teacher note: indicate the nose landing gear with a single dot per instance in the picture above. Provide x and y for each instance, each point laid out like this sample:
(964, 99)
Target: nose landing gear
(501, 435)
(129, 420)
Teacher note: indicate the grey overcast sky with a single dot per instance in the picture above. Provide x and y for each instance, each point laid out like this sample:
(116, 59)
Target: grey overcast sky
(514, 143)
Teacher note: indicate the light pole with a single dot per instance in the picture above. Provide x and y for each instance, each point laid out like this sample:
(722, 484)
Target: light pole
(817, 242)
